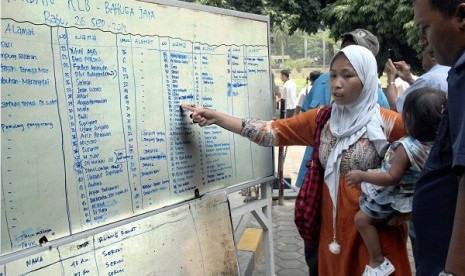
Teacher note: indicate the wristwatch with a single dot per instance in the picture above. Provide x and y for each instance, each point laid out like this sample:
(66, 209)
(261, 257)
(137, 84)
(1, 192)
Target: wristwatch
(443, 273)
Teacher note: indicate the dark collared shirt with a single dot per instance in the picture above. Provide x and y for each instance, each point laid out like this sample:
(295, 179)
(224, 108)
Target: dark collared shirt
(435, 195)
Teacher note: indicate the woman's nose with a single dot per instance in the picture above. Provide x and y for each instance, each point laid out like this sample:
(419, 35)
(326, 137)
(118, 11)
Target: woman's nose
(336, 83)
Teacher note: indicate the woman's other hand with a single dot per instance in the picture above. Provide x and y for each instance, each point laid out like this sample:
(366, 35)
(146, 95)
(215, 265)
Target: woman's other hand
(399, 219)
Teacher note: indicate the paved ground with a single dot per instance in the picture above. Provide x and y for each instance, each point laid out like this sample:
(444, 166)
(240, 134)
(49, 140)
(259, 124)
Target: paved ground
(288, 246)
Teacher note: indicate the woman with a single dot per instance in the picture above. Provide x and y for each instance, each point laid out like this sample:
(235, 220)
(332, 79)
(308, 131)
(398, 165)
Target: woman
(354, 137)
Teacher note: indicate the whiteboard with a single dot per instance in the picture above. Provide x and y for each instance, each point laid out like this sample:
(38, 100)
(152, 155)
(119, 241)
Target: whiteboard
(92, 132)
(183, 241)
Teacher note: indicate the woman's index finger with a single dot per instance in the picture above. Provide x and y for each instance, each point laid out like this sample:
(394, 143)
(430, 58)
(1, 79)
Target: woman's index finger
(188, 107)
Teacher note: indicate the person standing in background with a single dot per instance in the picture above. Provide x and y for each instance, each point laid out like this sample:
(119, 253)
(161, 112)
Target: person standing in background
(276, 94)
(304, 92)
(439, 198)
(288, 93)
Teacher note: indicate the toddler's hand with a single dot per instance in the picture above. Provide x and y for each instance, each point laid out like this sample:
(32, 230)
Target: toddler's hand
(354, 178)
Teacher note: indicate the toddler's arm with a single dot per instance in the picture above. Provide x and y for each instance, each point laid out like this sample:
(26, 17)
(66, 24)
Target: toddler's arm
(400, 164)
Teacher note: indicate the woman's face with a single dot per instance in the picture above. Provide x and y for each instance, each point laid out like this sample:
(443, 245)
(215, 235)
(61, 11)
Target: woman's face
(345, 84)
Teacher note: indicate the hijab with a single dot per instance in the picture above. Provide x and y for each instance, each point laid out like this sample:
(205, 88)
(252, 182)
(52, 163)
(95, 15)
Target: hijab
(359, 119)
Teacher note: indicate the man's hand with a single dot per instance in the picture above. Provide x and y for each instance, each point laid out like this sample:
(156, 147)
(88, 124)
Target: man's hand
(390, 70)
(403, 71)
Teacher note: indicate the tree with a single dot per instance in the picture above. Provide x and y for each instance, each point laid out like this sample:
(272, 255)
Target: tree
(390, 20)
(288, 16)
(294, 45)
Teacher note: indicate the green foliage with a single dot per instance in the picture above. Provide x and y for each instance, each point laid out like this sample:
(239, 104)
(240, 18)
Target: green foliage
(294, 47)
(390, 20)
(290, 15)
(298, 64)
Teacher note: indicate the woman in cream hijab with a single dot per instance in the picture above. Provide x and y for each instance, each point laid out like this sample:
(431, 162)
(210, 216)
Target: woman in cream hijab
(354, 137)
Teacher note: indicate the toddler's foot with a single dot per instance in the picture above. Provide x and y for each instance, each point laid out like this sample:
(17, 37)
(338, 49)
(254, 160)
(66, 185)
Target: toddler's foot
(384, 269)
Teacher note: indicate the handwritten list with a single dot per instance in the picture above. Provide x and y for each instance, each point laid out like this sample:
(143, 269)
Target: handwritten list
(92, 132)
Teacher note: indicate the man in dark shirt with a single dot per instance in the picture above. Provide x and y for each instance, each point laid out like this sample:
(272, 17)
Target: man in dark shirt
(439, 200)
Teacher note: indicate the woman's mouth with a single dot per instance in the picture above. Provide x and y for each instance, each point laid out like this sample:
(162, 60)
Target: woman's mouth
(337, 95)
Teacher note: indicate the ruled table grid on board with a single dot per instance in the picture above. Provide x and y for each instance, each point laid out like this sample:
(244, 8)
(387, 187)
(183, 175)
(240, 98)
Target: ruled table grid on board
(96, 115)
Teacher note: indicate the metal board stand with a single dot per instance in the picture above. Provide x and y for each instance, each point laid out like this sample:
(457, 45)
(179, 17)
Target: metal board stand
(261, 210)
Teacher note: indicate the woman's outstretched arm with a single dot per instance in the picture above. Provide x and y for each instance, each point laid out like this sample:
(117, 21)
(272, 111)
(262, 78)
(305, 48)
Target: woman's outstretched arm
(297, 130)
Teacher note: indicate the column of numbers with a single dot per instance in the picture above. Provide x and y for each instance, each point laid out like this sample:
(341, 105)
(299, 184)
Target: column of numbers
(164, 46)
(197, 69)
(68, 90)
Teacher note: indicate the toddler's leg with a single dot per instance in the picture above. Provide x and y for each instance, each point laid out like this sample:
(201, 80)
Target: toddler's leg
(369, 233)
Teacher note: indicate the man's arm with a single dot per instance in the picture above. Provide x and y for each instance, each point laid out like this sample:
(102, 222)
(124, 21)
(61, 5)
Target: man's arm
(284, 93)
(455, 262)
(391, 89)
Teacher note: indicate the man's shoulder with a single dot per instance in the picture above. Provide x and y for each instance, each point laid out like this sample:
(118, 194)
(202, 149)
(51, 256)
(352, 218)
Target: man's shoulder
(438, 70)
(437, 74)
